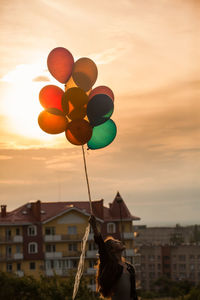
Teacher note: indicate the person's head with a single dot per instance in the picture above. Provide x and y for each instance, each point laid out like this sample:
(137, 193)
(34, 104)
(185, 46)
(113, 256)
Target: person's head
(114, 246)
(114, 249)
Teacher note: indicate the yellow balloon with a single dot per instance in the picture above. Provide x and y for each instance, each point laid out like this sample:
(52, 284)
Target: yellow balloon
(74, 103)
(70, 84)
(84, 73)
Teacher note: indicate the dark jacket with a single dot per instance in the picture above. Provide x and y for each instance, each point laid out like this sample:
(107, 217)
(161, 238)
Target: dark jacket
(113, 270)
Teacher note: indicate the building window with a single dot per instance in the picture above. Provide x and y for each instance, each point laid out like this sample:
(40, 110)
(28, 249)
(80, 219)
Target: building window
(192, 267)
(32, 230)
(17, 231)
(92, 263)
(18, 266)
(182, 267)
(181, 257)
(50, 248)
(8, 251)
(92, 246)
(18, 249)
(151, 257)
(32, 265)
(72, 230)
(73, 247)
(9, 267)
(8, 234)
(32, 248)
(50, 231)
(111, 228)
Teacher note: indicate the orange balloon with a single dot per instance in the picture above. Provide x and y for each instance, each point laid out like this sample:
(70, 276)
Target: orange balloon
(78, 132)
(51, 123)
(102, 90)
(60, 63)
(85, 73)
(50, 96)
(74, 103)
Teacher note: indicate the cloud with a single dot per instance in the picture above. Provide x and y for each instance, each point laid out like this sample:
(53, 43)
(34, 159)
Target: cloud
(5, 157)
(41, 79)
(107, 56)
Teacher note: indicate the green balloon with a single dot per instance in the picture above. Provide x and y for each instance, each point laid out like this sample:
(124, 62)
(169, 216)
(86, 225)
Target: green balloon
(102, 135)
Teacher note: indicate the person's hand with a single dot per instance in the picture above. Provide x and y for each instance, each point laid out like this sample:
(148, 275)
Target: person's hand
(92, 221)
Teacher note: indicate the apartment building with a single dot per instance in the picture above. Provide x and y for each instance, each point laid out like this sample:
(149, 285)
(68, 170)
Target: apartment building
(45, 237)
(167, 235)
(175, 262)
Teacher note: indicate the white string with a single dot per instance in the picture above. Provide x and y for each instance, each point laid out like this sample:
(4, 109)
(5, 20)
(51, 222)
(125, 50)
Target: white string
(81, 262)
(85, 238)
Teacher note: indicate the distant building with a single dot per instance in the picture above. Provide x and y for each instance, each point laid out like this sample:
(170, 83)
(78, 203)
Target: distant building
(173, 252)
(175, 262)
(167, 235)
(45, 237)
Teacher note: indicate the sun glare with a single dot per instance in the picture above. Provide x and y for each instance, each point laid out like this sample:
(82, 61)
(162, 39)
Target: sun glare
(21, 103)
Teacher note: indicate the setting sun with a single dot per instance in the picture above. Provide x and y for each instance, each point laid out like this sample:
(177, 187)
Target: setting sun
(21, 104)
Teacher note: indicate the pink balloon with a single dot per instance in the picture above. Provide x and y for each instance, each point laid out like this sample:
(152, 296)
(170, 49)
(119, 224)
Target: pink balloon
(102, 90)
(60, 63)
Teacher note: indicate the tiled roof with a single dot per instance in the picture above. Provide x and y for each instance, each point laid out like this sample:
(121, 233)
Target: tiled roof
(43, 211)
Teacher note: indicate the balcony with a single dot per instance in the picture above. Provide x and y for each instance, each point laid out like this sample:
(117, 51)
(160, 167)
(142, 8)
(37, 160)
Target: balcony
(18, 239)
(91, 271)
(19, 273)
(92, 287)
(9, 239)
(92, 253)
(130, 252)
(53, 255)
(52, 272)
(52, 238)
(72, 254)
(72, 237)
(63, 237)
(18, 256)
(91, 237)
(128, 235)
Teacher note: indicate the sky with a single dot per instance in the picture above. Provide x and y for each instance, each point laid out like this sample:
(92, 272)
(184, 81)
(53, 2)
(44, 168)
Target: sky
(148, 53)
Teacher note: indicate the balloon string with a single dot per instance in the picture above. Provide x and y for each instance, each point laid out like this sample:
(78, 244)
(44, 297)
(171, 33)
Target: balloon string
(86, 176)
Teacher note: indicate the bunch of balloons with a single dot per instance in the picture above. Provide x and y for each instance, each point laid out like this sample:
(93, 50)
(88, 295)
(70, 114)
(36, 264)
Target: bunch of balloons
(81, 112)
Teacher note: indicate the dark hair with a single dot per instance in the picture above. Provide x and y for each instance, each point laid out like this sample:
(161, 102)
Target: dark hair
(105, 274)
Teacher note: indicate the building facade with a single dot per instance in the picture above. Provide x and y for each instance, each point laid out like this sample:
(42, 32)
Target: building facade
(44, 238)
(175, 262)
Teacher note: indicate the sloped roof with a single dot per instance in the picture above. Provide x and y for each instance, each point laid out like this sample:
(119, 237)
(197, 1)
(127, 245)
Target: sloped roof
(49, 210)
(119, 210)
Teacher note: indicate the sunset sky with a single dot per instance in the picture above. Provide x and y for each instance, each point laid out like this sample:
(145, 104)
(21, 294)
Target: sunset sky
(148, 53)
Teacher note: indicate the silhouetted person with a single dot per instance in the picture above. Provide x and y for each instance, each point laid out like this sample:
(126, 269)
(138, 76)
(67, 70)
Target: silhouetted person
(115, 276)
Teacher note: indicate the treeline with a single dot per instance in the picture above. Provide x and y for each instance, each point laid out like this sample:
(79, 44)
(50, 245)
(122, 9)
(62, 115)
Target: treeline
(164, 287)
(13, 287)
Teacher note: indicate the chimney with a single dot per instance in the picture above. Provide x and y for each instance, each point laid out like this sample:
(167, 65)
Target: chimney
(3, 211)
(36, 210)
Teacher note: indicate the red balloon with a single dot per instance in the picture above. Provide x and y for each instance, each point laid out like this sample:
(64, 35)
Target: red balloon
(50, 96)
(60, 63)
(78, 132)
(51, 123)
(102, 90)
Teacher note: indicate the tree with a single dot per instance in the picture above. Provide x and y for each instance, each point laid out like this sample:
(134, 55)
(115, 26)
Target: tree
(45, 288)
